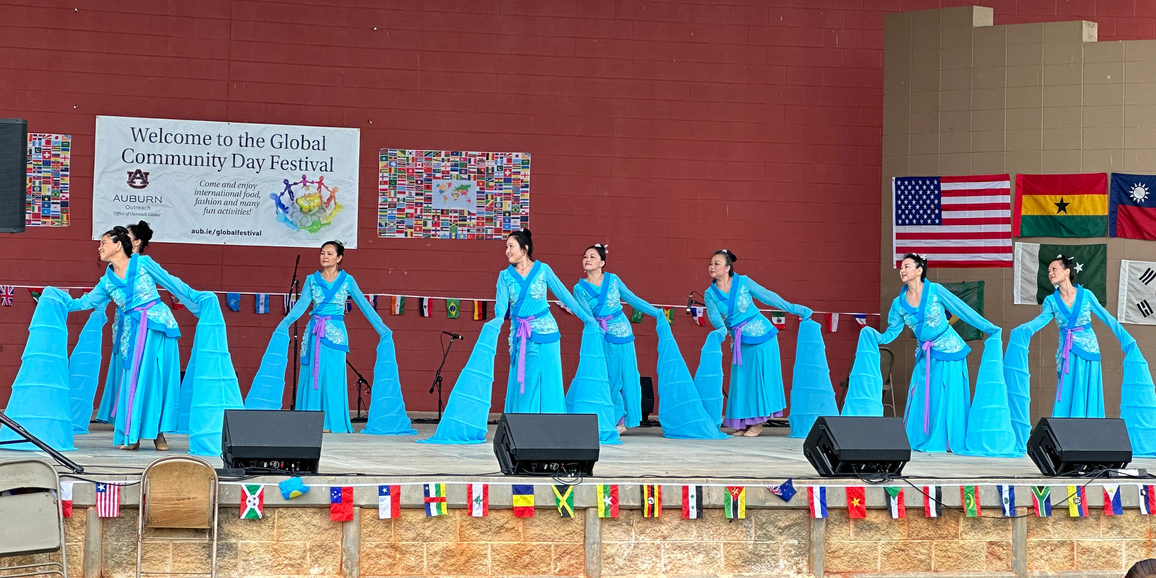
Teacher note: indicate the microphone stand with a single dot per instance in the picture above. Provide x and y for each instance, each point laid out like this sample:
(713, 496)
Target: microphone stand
(437, 382)
(360, 382)
(294, 343)
(691, 301)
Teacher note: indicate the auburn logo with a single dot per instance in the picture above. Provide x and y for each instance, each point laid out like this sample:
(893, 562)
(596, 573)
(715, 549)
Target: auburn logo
(138, 179)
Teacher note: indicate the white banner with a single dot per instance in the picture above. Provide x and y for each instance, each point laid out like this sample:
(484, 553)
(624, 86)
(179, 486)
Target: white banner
(225, 183)
(1137, 296)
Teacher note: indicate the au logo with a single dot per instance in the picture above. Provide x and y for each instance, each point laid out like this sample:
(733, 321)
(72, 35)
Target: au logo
(138, 179)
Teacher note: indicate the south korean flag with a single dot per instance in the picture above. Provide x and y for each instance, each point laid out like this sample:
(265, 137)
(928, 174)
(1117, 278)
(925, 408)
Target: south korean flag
(1137, 297)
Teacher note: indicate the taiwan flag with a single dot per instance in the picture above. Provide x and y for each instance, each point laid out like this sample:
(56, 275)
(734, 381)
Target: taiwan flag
(1132, 210)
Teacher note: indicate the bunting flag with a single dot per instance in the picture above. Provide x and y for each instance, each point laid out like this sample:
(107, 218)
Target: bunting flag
(817, 501)
(348, 304)
(479, 495)
(779, 319)
(1007, 500)
(388, 502)
(861, 319)
(607, 501)
(1132, 212)
(66, 498)
(292, 488)
(785, 490)
(252, 502)
(107, 500)
(735, 503)
(1073, 205)
(7, 292)
(523, 501)
(692, 502)
(261, 303)
(453, 306)
(832, 322)
(479, 310)
(565, 308)
(651, 501)
(287, 301)
(372, 299)
(1113, 505)
(1147, 499)
(1042, 501)
(969, 497)
(176, 303)
(398, 305)
(564, 500)
(698, 314)
(35, 293)
(435, 499)
(856, 502)
(895, 503)
(1077, 504)
(635, 316)
(233, 301)
(669, 314)
(423, 306)
(341, 503)
(933, 501)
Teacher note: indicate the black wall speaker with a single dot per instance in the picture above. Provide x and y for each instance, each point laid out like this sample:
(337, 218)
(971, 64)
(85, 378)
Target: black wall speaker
(851, 446)
(547, 444)
(260, 440)
(13, 173)
(1079, 446)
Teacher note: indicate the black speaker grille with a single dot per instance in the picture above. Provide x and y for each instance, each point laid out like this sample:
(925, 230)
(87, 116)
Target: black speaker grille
(13, 173)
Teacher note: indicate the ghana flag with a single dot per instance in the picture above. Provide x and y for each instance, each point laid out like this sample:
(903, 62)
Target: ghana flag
(1061, 205)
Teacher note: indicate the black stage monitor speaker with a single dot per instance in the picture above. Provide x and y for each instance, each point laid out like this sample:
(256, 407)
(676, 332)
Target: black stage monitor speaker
(853, 446)
(259, 440)
(547, 444)
(1079, 446)
(13, 173)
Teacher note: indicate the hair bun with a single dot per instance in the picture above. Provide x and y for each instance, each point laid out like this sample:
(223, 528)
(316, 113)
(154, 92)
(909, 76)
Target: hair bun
(527, 233)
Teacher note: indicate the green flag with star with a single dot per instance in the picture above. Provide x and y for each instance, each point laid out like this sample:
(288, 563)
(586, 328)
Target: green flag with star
(1090, 269)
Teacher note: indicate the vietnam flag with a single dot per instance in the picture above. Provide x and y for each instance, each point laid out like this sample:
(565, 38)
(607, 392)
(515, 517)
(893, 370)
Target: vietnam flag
(1132, 213)
(1074, 205)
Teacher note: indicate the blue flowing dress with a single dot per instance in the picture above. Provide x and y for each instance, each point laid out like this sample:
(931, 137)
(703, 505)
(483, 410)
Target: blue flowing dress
(756, 385)
(604, 303)
(322, 384)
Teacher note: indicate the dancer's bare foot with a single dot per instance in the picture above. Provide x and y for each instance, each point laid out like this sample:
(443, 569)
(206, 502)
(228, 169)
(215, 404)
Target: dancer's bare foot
(160, 443)
(739, 432)
(754, 431)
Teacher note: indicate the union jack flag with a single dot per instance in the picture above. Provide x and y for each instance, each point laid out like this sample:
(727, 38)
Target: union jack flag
(6, 294)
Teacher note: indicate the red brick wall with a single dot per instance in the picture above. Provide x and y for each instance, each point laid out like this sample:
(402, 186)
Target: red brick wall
(668, 129)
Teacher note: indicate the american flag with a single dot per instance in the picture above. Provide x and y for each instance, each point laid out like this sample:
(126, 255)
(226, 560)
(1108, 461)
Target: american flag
(107, 500)
(6, 294)
(953, 221)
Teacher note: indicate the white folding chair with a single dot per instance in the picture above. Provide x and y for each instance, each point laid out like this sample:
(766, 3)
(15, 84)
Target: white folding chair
(30, 493)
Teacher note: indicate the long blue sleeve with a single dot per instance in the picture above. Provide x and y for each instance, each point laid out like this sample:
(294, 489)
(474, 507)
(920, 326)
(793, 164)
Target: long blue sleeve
(771, 298)
(209, 373)
(84, 369)
(590, 389)
(708, 378)
(387, 414)
(268, 388)
(468, 408)
(894, 323)
(680, 410)
(1137, 394)
(580, 297)
(636, 302)
(40, 392)
(1018, 377)
(562, 294)
(865, 384)
(811, 392)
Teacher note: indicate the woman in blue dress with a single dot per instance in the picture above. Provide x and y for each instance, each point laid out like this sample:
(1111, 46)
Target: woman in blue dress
(601, 295)
(322, 384)
(535, 382)
(939, 398)
(756, 384)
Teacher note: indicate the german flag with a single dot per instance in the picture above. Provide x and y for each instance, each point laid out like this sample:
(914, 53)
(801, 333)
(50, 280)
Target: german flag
(1061, 206)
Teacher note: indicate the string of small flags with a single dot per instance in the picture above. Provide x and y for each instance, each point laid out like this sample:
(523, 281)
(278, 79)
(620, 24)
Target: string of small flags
(522, 501)
(453, 305)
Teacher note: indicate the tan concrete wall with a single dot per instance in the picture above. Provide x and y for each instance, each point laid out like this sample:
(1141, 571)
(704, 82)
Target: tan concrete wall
(964, 97)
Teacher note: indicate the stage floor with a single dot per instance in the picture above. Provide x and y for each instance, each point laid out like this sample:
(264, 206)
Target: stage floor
(769, 458)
